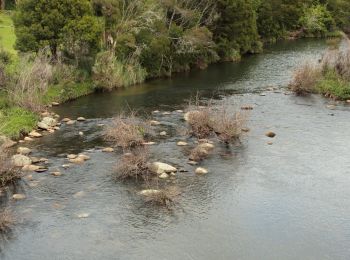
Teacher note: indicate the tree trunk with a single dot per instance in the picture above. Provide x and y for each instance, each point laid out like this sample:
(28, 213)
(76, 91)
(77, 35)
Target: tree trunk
(2, 4)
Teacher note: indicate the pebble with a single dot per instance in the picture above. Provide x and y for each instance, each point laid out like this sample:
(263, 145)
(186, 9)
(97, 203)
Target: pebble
(81, 119)
(28, 139)
(163, 133)
(270, 134)
(163, 176)
(201, 171)
(83, 215)
(56, 174)
(18, 196)
(181, 143)
(81, 133)
(108, 150)
(154, 122)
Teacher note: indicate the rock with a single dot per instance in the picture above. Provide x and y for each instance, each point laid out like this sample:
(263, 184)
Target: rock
(159, 168)
(56, 116)
(331, 107)
(43, 126)
(65, 120)
(270, 143)
(23, 150)
(6, 142)
(179, 111)
(55, 103)
(163, 133)
(65, 166)
(56, 174)
(192, 163)
(156, 111)
(108, 150)
(56, 128)
(35, 159)
(44, 114)
(41, 169)
(43, 160)
(100, 125)
(207, 146)
(30, 168)
(247, 107)
(348, 101)
(163, 176)
(181, 143)
(262, 94)
(149, 192)
(51, 131)
(166, 113)
(28, 139)
(81, 119)
(70, 122)
(79, 194)
(83, 215)
(84, 157)
(51, 122)
(245, 129)
(18, 196)
(29, 177)
(35, 134)
(154, 122)
(270, 134)
(149, 143)
(201, 171)
(81, 133)
(72, 156)
(77, 160)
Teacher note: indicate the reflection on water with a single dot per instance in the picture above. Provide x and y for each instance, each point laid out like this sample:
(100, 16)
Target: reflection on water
(289, 200)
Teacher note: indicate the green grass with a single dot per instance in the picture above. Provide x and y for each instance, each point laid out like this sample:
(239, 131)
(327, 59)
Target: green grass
(15, 121)
(7, 33)
(332, 85)
(62, 93)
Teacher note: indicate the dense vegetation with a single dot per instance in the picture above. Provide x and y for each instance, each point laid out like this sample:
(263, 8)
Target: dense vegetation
(83, 45)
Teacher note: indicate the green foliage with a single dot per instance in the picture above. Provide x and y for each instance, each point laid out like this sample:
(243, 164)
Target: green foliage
(317, 21)
(334, 86)
(236, 29)
(15, 120)
(41, 23)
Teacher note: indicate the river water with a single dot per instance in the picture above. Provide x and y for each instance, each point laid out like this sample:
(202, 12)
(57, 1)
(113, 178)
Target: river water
(288, 200)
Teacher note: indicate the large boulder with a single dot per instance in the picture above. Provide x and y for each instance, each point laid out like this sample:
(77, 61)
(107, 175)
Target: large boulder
(43, 126)
(51, 122)
(20, 160)
(160, 168)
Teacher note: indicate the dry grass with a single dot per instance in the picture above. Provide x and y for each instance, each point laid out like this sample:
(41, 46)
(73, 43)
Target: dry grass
(305, 78)
(199, 153)
(127, 131)
(164, 197)
(228, 126)
(31, 82)
(134, 165)
(8, 173)
(7, 220)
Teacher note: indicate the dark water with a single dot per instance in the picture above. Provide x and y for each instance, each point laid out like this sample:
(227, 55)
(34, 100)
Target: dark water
(289, 200)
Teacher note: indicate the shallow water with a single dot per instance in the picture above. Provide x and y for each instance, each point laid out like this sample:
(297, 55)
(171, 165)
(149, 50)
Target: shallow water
(289, 200)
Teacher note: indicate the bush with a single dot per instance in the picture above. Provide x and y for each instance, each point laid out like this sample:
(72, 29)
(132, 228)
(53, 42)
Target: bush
(7, 220)
(305, 78)
(109, 72)
(164, 197)
(198, 154)
(8, 173)
(334, 86)
(134, 165)
(127, 131)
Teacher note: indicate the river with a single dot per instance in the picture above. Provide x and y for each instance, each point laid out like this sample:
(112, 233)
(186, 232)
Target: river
(288, 200)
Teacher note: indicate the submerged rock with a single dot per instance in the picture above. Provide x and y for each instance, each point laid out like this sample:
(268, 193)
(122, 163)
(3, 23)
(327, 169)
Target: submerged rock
(201, 171)
(83, 215)
(159, 168)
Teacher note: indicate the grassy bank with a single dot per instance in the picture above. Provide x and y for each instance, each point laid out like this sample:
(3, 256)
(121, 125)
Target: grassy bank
(7, 33)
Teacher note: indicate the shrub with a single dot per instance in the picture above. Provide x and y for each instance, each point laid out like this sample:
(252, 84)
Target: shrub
(7, 220)
(305, 78)
(198, 154)
(31, 81)
(8, 173)
(228, 126)
(127, 131)
(134, 165)
(109, 72)
(334, 86)
(164, 197)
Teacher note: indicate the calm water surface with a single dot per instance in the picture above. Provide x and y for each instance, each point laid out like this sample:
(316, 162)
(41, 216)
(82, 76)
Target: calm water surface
(289, 200)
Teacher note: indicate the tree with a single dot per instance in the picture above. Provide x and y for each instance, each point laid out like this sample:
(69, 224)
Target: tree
(236, 30)
(40, 23)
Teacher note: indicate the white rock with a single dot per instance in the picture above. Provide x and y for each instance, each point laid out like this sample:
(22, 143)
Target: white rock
(81, 119)
(154, 122)
(84, 157)
(35, 134)
(201, 171)
(108, 150)
(72, 156)
(163, 133)
(43, 126)
(159, 168)
(163, 176)
(18, 196)
(81, 133)
(51, 122)
(149, 192)
(23, 150)
(65, 120)
(56, 174)
(55, 103)
(207, 146)
(83, 215)
(70, 122)
(149, 143)
(28, 139)
(77, 160)
(30, 168)
(181, 143)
